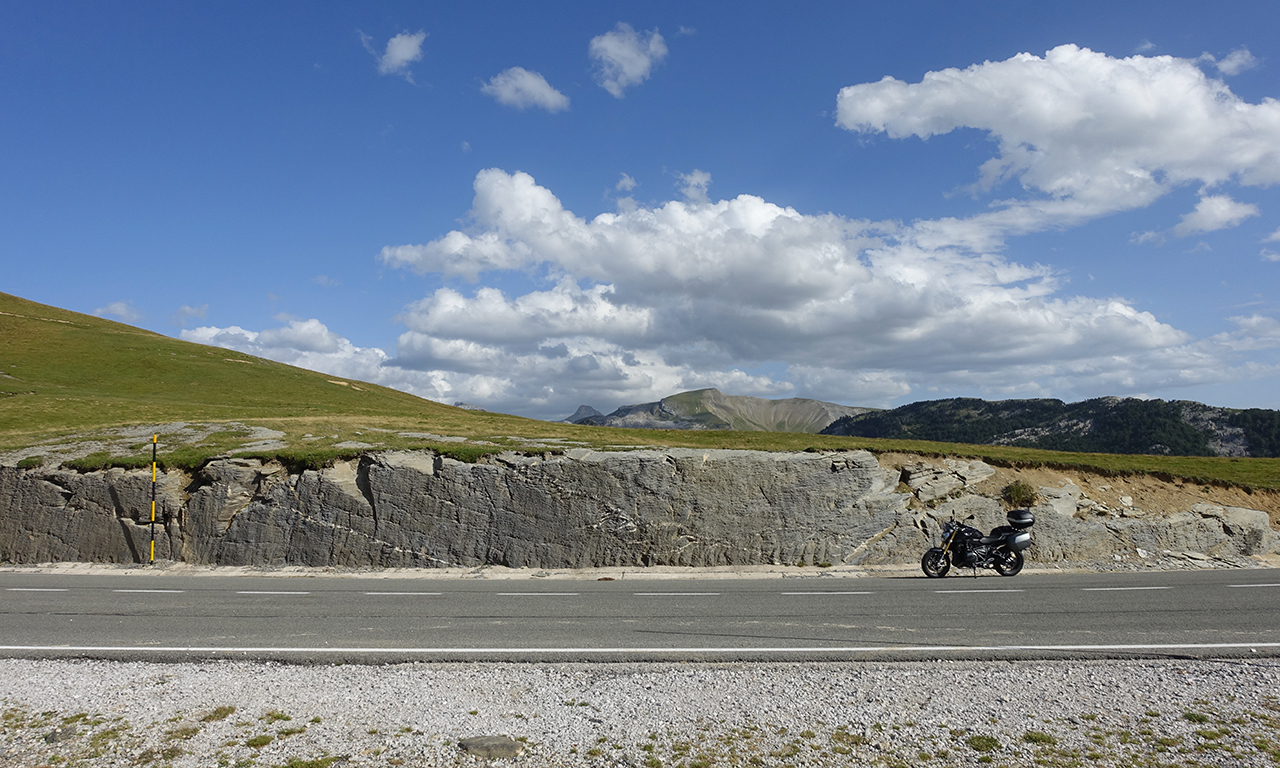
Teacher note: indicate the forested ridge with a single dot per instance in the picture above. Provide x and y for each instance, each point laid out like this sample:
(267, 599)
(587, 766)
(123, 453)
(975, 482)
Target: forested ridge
(1102, 425)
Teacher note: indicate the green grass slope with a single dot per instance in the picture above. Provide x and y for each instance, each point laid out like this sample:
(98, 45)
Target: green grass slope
(63, 371)
(66, 374)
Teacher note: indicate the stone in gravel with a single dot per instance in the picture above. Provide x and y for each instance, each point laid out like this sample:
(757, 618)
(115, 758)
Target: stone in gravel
(60, 734)
(490, 747)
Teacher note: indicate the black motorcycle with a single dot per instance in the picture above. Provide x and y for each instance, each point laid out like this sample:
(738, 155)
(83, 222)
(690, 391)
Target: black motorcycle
(965, 547)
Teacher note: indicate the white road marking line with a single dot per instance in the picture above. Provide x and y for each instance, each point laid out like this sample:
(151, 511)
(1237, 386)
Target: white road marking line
(972, 591)
(747, 649)
(403, 593)
(153, 591)
(675, 594)
(263, 592)
(1120, 589)
(35, 589)
(538, 594)
(1253, 585)
(827, 593)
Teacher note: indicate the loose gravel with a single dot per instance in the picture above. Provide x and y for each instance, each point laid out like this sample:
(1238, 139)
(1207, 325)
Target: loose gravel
(1061, 713)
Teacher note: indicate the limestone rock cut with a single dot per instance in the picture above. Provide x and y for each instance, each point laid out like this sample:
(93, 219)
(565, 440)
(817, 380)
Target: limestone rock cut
(96, 517)
(584, 508)
(930, 482)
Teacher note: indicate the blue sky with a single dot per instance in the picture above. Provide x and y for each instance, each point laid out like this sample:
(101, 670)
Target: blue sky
(529, 207)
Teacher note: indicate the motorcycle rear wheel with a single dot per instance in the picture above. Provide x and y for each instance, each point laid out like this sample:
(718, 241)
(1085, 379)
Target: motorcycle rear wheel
(1008, 563)
(935, 563)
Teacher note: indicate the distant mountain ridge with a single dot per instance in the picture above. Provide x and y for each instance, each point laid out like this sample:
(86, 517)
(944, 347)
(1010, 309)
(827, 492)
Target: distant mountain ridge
(1101, 425)
(712, 409)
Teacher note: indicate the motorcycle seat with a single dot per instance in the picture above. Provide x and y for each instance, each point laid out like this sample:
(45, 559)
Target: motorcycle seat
(997, 535)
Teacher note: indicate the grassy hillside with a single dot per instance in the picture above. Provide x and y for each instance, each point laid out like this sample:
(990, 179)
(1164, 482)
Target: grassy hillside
(65, 376)
(62, 371)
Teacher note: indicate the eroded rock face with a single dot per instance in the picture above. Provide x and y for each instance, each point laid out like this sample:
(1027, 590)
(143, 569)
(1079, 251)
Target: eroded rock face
(678, 507)
(582, 509)
(94, 517)
(930, 481)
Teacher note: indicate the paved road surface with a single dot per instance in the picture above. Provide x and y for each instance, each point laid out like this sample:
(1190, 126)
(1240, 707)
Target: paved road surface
(331, 618)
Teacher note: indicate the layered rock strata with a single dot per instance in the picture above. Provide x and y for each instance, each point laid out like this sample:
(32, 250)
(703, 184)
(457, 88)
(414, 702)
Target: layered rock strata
(581, 509)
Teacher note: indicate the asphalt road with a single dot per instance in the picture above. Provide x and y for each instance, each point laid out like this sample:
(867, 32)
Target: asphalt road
(331, 618)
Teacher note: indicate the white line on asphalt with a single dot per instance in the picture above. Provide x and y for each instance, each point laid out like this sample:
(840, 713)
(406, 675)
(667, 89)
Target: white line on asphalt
(1119, 589)
(403, 593)
(35, 589)
(153, 591)
(538, 594)
(605, 651)
(253, 592)
(827, 593)
(1253, 585)
(675, 594)
(971, 591)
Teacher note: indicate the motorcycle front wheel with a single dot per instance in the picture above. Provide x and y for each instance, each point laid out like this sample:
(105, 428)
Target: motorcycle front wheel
(935, 563)
(1008, 563)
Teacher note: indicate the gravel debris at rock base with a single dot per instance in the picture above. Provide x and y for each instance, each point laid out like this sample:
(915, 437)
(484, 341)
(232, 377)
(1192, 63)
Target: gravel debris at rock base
(939, 713)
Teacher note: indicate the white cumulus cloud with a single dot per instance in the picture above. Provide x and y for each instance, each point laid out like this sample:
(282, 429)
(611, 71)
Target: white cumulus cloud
(747, 296)
(694, 185)
(758, 298)
(1083, 133)
(624, 57)
(186, 312)
(1236, 62)
(518, 87)
(401, 51)
(685, 292)
(121, 310)
(1212, 213)
(310, 344)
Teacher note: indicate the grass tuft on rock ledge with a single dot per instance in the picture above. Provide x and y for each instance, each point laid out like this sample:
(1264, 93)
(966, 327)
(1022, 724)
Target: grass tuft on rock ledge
(104, 460)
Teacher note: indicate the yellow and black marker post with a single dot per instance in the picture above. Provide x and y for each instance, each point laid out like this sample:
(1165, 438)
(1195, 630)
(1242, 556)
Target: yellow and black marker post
(154, 438)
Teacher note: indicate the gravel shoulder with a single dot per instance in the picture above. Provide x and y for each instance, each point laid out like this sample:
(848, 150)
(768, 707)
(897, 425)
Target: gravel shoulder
(1117, 713)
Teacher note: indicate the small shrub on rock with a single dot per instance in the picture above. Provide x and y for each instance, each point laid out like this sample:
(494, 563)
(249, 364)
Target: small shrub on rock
(1018, 494)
